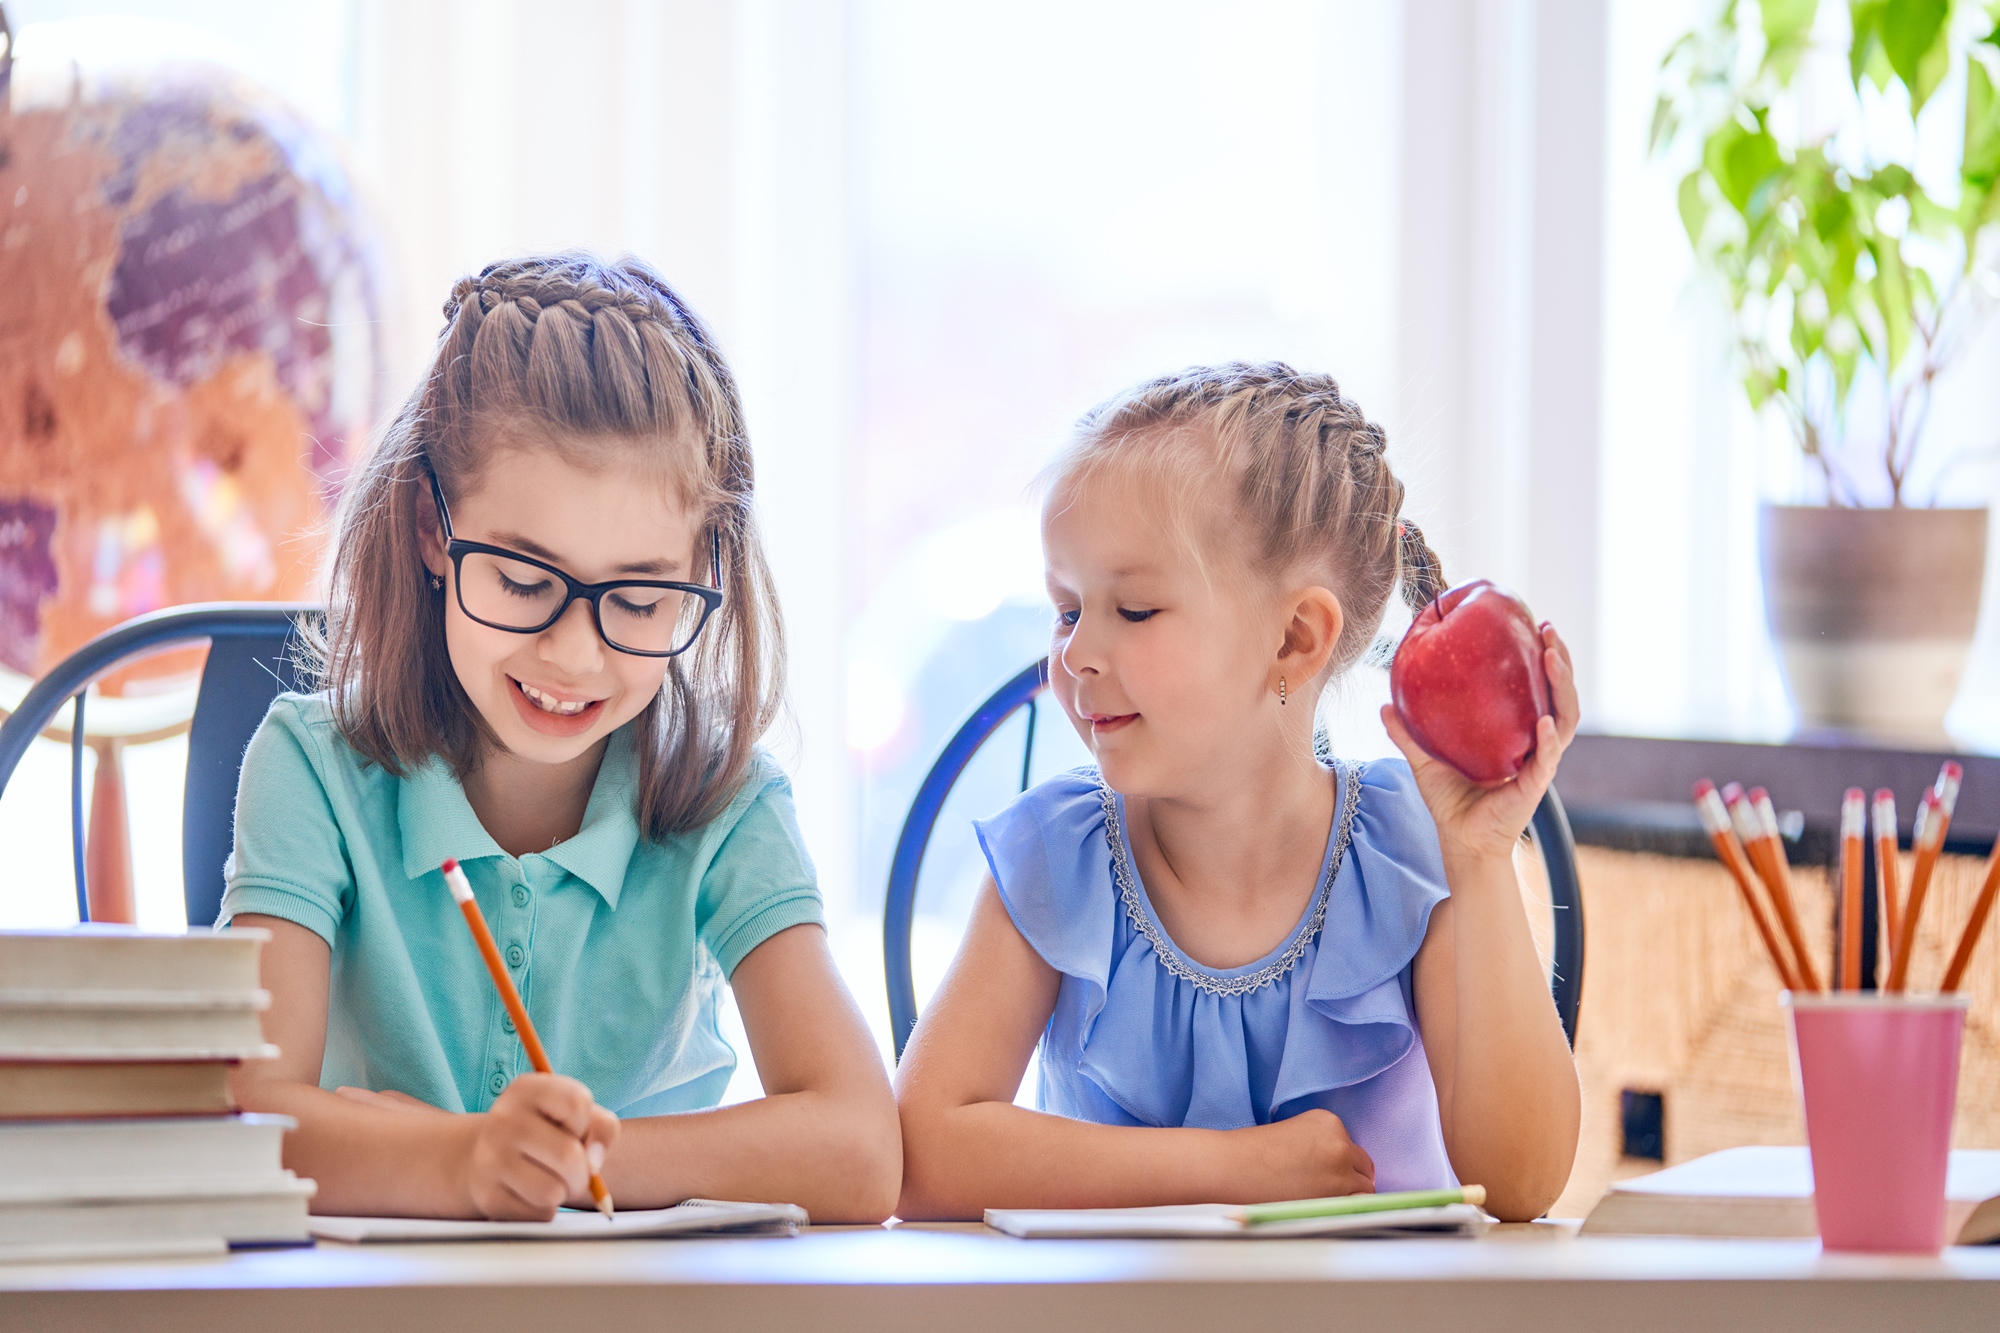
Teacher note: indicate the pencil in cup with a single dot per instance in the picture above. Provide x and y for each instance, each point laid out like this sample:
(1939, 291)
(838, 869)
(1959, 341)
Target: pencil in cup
(1853, 842)
(1933, 819)
(1888, 871)
(461, 892)
(1767, 859)
(1779, 870)
(1715, 819)
(1968, 939)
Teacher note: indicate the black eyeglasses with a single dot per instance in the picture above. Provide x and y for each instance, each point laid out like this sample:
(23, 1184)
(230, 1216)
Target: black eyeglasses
(504, 589)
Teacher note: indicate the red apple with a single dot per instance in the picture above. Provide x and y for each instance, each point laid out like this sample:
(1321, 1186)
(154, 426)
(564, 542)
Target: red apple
(1468, 681)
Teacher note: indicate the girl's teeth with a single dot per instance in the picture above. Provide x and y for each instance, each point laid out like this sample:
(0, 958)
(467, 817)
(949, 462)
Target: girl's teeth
(557, 706)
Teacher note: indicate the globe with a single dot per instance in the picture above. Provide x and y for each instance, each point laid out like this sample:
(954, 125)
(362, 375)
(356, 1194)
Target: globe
(189, 346)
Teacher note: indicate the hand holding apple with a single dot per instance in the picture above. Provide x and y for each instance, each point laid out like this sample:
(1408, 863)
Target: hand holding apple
(1493, 694)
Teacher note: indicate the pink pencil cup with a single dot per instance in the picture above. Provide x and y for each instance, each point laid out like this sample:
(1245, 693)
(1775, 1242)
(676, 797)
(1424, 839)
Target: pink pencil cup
(1878, 1079)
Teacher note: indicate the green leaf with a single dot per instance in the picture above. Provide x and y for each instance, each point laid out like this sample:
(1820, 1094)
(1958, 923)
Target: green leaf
(1915, 39)
(1741, 161)
(1979, 169)
(1694, 208)
(1661, 129)
(1786, 20)
(1787, 33)
(1981, 164)
(1892, 301)
(1892, 180)
(1865, 17)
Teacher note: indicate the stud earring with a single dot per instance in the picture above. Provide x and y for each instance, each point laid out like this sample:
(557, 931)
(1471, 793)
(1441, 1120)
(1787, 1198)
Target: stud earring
(437, 583)
(1281, 691)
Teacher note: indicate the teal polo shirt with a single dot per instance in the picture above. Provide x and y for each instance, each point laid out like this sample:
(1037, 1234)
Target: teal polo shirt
(619, 945)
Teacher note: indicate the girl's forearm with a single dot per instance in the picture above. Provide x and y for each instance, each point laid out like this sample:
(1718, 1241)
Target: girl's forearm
(1514, 1104)
(961, 1161)
(832, 1152)
(371, 1160)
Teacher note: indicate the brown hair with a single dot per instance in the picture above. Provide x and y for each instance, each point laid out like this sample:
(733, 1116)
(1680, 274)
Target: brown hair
(1305, 469)
(568, 353)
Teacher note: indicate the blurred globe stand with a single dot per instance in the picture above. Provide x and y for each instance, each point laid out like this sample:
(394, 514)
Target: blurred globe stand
(190, 328)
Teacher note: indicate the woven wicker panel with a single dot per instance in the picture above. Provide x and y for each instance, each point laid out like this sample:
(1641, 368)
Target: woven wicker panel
(1678, 998)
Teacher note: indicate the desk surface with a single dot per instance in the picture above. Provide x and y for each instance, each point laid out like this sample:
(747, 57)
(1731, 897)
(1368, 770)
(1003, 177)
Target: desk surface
(832, 1279)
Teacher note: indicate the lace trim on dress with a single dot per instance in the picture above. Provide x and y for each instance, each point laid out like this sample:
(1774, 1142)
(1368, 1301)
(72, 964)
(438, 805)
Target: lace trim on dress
(1170, 957)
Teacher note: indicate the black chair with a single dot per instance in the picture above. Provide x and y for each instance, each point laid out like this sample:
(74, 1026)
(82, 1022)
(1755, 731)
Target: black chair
(250, 662)
(1550, 828)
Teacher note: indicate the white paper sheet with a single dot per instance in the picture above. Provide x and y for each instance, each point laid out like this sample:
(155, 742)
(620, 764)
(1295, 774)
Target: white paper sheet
(695, 1217)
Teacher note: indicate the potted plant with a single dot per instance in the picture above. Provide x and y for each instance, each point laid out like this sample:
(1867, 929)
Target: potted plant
(1854, 285)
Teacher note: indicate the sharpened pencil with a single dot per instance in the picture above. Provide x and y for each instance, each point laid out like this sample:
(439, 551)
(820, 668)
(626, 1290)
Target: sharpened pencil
(1778, 869)
(1714, 818)
(461, 892)
(1968, 939)
(1933, 818)
(1888, 870)
(1853, 841)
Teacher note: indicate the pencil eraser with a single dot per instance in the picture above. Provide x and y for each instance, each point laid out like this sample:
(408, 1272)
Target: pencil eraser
(450, 864)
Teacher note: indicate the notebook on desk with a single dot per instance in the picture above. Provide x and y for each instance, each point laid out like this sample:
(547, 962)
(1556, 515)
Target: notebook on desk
(696, 1217)
(1768, 1193)
(1225, 1221)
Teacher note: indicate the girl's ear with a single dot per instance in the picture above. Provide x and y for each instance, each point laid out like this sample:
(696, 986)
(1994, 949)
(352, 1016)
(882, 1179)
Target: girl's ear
(1310, 635)
(430, 536)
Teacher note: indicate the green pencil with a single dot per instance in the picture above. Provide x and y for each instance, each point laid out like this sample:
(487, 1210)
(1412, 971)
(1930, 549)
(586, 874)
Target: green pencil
(1346, 1204)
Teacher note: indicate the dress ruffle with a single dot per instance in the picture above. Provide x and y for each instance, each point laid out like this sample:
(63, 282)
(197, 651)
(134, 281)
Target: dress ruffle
(1162, 1038)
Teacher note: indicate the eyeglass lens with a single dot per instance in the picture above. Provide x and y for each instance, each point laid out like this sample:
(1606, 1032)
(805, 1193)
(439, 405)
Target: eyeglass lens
(511, 594)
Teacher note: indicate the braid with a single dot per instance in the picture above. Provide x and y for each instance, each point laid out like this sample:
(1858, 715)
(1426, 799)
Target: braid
(1423, 572)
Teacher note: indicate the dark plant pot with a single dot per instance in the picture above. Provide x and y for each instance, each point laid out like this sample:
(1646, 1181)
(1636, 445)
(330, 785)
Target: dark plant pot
(1873, 612)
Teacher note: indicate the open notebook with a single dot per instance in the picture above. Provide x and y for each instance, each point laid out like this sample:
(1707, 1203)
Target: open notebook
(1768, 1192)
(1223, 1220)
(696, 1217)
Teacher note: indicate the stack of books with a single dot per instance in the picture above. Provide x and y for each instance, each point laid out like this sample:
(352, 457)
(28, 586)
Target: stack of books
(118, 1135)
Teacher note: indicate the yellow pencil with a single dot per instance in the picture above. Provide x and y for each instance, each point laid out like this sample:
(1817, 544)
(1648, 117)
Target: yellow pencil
(461, 892)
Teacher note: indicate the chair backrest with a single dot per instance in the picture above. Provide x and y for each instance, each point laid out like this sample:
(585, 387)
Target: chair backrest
(1550, 825)
(249, 664)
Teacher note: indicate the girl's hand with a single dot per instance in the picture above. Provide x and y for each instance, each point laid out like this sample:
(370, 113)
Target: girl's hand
(535, 1149)
(1477, 821)
(1308, 1156)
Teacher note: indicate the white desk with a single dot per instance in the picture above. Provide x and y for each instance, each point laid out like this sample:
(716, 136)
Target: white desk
(833, 1279)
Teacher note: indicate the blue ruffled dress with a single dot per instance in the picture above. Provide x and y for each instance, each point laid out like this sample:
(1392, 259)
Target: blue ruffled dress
(1143, 1035)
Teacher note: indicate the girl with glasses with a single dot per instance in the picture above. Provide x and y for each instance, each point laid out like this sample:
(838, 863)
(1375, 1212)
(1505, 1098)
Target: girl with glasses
(550, 646)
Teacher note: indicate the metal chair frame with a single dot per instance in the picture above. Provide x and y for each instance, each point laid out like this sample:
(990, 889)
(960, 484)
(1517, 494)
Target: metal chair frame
(249, 664)
(1550, 824)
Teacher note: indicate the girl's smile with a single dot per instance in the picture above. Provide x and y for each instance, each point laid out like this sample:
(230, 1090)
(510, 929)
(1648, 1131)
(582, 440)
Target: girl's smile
(554, 712)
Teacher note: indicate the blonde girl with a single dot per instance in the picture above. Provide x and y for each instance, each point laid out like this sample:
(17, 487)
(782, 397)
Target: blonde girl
(550, 647)
(1253, 972)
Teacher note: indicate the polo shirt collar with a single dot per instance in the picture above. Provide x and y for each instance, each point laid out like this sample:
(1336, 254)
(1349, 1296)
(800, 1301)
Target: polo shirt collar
(436, 822)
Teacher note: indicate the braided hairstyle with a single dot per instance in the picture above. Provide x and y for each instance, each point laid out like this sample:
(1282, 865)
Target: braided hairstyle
(1302, 466)
(594, 361)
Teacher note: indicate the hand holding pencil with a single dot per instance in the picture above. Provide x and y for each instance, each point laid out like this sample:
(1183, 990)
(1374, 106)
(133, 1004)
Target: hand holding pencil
(544, 1131)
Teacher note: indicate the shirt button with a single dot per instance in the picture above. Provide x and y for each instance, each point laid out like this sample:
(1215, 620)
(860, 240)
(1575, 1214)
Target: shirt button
(507, 1022)
(516, 955)
(520, 895)
(498, 1083)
